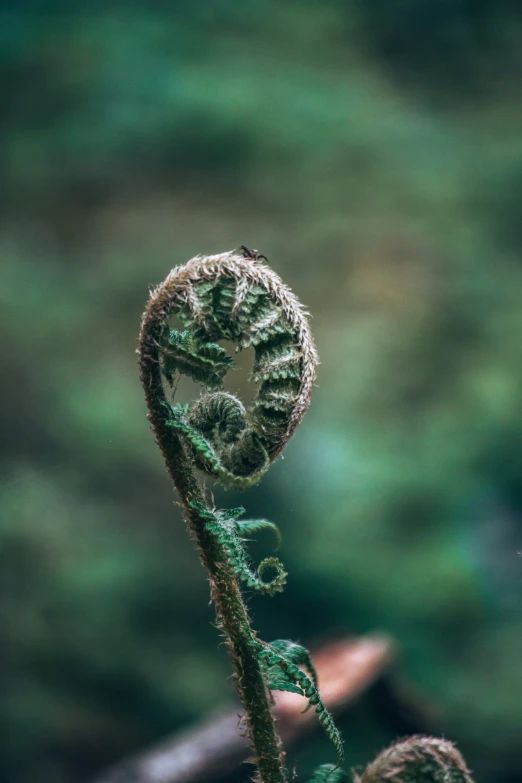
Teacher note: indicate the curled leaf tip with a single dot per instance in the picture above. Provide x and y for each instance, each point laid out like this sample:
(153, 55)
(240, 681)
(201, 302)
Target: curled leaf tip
(417, 759)
(235, 297)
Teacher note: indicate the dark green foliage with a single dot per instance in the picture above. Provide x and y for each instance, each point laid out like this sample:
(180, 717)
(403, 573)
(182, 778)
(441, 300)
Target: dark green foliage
(205, 363)
(296, 654)
(215, 300)
(409, 37)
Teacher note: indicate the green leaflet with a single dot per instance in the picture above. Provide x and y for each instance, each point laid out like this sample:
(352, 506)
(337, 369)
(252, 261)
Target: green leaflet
(282, 661)
(296, 654)
(213, 299)
(232, 296)
(249, 526)
(224, 525)
(283, 685)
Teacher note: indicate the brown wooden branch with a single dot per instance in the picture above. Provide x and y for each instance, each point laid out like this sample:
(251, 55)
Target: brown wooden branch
(210, 751)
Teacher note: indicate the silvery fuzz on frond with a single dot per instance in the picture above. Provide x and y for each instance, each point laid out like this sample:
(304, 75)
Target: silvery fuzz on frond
(239, 299)
(235, 297)
(417, 759)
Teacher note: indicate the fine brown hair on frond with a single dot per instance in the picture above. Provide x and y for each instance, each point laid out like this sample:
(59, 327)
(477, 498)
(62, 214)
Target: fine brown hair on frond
(417, 759)
(236, 297)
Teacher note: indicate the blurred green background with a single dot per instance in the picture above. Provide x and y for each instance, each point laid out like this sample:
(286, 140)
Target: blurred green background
(373, 151)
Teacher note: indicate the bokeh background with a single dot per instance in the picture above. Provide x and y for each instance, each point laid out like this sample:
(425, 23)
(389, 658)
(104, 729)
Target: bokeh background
(373, 151)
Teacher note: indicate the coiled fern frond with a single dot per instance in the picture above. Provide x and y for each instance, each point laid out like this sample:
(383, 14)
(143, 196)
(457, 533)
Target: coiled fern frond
(235, 297)
(417, 759)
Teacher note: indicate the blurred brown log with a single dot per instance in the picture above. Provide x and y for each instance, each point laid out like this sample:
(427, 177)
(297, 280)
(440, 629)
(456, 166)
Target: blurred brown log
(210, 751)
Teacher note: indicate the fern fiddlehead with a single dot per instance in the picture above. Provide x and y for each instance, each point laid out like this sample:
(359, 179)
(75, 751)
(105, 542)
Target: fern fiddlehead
(230, 297)
(417, 759)
(234, 297)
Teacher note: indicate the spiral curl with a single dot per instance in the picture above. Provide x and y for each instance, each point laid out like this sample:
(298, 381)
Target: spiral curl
(417, 759)
(234, 296)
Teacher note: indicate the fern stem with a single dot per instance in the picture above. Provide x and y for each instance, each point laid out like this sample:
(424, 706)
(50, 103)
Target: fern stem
(226, 594)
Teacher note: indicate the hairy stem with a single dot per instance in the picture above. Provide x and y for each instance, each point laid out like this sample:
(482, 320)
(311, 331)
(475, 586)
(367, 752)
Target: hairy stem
(226, 594)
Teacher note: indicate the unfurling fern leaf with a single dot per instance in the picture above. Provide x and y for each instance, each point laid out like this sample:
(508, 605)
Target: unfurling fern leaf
(295, 654)
(225, 527)
(240, 299)
(282, 661)
(249, 526)
(234, 297)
